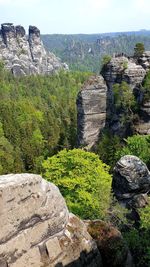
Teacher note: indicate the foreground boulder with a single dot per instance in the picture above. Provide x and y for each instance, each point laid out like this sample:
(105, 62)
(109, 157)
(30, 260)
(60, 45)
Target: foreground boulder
(37, 229)
(26, 55)
(131, 182)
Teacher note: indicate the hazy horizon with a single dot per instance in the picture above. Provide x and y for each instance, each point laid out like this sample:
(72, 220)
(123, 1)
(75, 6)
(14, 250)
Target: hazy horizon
(77, 17)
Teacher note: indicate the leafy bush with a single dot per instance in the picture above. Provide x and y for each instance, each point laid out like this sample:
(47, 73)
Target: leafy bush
(137, 145)
(146, 87)
(83, 180)
(123, 97)
(108, 147)
(106, 59)
(139, 49)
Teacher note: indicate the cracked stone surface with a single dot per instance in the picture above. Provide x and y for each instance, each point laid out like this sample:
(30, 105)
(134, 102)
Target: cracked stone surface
(37, 228)
(91, 106)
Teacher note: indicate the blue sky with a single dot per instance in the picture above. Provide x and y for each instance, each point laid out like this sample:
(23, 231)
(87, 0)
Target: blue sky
(77, 16)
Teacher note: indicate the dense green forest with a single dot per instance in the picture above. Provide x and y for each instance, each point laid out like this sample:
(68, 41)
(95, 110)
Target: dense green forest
(84, 52)
(37, 118)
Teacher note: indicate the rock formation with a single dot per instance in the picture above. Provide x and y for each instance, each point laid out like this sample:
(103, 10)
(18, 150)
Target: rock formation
(123, 69)
(37, 229)
(131, 182)
(144, 60)
(95, 101)
(110, 243)
(91, 105)
(25, 56)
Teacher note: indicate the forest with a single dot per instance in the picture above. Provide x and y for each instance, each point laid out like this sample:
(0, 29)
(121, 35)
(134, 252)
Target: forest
(38, 134)
(37, 118)
(84, 52)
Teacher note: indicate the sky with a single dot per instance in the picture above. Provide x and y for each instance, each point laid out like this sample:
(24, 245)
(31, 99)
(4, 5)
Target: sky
(77, 16)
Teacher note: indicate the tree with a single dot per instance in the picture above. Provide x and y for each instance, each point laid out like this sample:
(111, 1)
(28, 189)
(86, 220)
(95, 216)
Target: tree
(106, 59)
(139, 50)
(137, 145)
(123, 97)
(83, 180)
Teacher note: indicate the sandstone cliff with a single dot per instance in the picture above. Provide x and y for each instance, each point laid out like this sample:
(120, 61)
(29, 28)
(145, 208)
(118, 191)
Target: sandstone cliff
(26, 55)
(91, 105)
(95, 101)
(37, 229)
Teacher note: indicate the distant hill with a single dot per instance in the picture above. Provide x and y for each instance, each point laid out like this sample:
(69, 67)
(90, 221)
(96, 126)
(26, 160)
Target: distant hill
(84, 52)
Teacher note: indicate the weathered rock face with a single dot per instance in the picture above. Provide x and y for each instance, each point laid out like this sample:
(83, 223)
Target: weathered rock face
(144, 60)
(131, 182)
(91, 106)
(37, 229)
(111, 244)
(96, 107)
(123, 69)
(26, 56)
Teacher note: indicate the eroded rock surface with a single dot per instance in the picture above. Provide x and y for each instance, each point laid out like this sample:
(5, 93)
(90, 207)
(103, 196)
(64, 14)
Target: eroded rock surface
(131, 182)
(37, 228)
(123, 69)
(91, 106)
(26, 55)
(96, 107)
(111, 244)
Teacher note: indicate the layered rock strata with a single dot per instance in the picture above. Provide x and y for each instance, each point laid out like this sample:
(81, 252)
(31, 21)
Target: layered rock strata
(123, 69)
(91, 106)
(37, 228)
(95, 101)
(26, 55)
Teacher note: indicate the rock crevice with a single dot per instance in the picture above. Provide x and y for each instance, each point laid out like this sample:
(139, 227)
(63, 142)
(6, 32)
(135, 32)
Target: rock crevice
(39, 231)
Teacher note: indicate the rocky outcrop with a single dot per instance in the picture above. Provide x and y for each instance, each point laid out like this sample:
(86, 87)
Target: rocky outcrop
(26, 56)
(37, 228)
(91, 106)
(96, 108)
(131, 182)
(123, 69)
(144, 60)
(111, 244)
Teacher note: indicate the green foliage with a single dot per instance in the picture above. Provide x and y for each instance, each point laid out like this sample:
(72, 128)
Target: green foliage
(139, 49)
(38, 118)
(145, 216)
(139, 244)
(125, 65)
(6, 153)
(137, 145)
(146, 87)
(106, 59)
(107, 148)
(123, 97)
(83, 180)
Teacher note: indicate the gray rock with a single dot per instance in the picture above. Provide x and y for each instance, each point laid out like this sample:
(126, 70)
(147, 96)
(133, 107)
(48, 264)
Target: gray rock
(91, 106)
(95, 102)
(144, 60)
(131, 181)
(123, 69)
(29, 52)
(36, 227)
